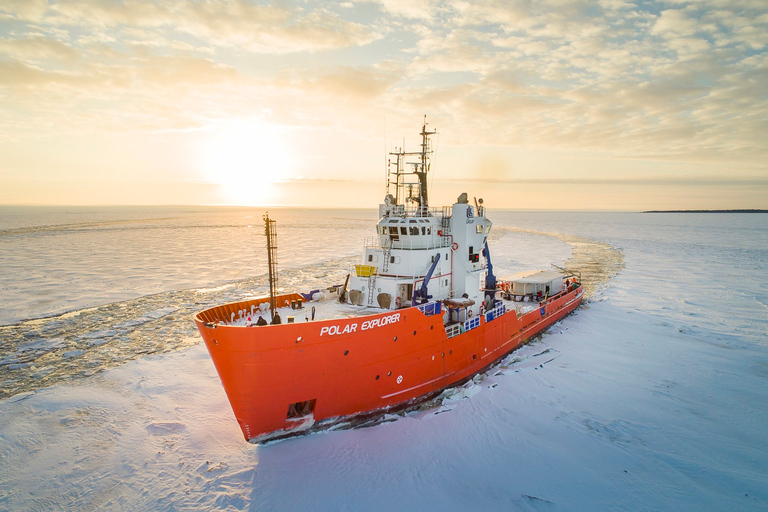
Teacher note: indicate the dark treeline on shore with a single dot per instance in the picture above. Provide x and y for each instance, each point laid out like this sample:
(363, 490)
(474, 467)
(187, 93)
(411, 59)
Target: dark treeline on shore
(706, 211)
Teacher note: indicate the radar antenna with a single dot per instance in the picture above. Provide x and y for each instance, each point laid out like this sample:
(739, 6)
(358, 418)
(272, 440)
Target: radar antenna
(406, 188)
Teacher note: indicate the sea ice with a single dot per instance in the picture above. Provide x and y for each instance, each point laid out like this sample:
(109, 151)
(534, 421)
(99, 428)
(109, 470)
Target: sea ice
(631, 403)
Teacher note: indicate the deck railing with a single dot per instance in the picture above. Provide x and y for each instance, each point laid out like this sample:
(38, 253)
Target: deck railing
(472, 323)
(453, 330)
(495, 312)
(408, 243)
(462, 327)
(402, 211)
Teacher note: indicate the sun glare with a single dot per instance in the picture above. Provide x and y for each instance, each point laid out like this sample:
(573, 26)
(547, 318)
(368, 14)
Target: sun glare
(246, 159)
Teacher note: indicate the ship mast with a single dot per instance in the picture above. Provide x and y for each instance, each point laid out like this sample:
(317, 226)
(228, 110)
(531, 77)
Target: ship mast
(270, 229)
(422, 167)
(408, 189)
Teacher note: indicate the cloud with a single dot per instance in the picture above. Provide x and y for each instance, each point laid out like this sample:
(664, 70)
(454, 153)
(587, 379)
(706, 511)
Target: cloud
(408, 9)
(92, 65)
(566, 75)
(37, 47)
(237, 23)
(271, 29)
(684, 83)
(675, 23)
(655, 181)
(17, 73)
(31, 10)
(341, 83)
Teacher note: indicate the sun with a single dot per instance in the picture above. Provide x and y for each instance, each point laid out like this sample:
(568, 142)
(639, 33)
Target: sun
(246, 159)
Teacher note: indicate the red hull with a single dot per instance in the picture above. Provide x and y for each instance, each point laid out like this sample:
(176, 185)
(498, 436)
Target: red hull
(348, 367)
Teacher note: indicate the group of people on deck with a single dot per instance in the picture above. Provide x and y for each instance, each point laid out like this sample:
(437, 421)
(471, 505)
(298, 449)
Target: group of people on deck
(275, 320)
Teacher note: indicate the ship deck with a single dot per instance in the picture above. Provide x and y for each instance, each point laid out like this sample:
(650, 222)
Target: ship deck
(338, 367)
(329, 308)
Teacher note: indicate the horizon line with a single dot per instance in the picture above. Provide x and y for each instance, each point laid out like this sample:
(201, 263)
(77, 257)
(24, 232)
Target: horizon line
(374, 208)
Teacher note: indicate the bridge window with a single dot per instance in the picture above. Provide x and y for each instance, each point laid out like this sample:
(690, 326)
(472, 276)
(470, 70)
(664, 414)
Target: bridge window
(403, 230)
(414, 230)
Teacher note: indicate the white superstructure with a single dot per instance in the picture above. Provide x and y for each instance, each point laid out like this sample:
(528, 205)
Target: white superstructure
(443, 246)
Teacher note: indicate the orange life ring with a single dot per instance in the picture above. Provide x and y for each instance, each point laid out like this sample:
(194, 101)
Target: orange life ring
(398, 302)
(470, 313)
(454, 246)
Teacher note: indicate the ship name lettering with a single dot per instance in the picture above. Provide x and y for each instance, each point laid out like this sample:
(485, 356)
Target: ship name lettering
(332, 330)
(380, 322)
(336, 329)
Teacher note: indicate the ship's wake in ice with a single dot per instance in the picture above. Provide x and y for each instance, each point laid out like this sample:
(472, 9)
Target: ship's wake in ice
(598, 262)
(651, 396)
(41, 352)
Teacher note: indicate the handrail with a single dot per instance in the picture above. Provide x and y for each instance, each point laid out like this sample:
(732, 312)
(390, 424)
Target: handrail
(453, 330)
(472, 323)
(462, 327)
(413, 211)
(374, 242)
(495, 312)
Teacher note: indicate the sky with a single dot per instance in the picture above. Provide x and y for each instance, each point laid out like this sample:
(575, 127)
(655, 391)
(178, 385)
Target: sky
(559, 104)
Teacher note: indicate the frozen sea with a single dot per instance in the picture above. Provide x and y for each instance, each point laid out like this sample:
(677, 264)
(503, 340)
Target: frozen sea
(653, 395)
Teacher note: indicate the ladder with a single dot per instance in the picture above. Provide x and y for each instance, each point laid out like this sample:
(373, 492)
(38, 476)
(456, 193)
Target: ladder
(371, 286)
(445, 221)
(387, 255)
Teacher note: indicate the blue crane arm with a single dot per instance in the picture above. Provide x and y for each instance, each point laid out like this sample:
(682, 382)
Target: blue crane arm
(490, 279)
(420, 295)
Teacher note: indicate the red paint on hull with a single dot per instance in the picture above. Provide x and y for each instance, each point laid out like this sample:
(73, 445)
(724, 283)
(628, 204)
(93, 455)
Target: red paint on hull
(381, 363)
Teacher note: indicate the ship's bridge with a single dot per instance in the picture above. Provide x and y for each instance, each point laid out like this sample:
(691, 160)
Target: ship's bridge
(423, 228)
(410, 233)
(444, 243)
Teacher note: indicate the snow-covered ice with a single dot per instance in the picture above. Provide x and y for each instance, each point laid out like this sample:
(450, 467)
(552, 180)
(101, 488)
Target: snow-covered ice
(652, 396)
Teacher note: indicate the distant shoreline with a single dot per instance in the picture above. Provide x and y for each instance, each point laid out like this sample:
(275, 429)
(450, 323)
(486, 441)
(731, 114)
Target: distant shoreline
(706, 211)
